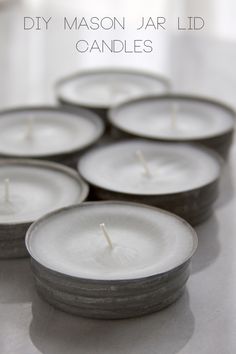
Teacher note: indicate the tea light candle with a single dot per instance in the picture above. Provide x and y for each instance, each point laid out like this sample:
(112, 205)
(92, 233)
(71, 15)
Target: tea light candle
(99, 90)
(58, 134)
(178, 177)
(110, 259)
(177, 118)
(28, 190)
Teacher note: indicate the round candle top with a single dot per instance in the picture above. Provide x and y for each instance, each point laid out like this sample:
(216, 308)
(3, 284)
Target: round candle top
(105, 88)
(38, 132)
(30, 189)
(148, 168)
(144, 241)
(177, 117)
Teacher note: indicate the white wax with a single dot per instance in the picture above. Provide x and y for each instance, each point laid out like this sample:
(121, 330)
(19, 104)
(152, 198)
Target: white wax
(173, 118)
(173, 167)
(146, 241)
(106, 88)
(52, 132)
(35, 190)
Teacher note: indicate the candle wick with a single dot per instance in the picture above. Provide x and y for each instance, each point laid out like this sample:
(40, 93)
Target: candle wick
(143, 162)
(106, 235)
(7, 190)
(29, 131)
(174, 111)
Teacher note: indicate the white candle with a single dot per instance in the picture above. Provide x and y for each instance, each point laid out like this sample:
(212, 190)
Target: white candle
(43, 132)
(172, 168)
(30, 189)
(174, 112)
(146, 241)
(29, 128)
(173, 118)
(6, 190)
(104, 88)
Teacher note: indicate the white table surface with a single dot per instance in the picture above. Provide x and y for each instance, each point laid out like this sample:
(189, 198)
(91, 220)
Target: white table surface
(204, 319)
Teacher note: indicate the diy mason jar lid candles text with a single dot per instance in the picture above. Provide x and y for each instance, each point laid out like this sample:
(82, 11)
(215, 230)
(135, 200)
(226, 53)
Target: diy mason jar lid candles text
(106, 23)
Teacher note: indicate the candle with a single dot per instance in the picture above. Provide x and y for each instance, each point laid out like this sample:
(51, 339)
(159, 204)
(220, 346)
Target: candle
(28, 190)
(111, 259)
(177, 177)
(58, 134)
(177, 118)
(99, 90)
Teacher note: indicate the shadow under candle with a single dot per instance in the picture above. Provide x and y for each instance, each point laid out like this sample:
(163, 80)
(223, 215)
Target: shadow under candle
(16, 281)
(226, 189)
(167, 331)
(208, 245)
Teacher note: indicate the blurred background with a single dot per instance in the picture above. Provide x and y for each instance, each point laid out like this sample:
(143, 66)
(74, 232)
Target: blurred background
(199, 62)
